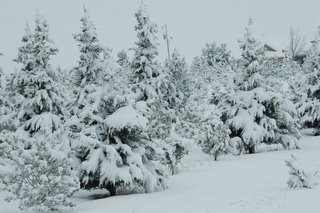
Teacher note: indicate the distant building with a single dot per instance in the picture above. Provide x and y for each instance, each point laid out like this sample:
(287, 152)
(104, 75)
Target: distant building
(273, 53)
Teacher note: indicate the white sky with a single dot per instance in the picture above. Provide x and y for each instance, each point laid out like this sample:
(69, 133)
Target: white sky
(191, 23)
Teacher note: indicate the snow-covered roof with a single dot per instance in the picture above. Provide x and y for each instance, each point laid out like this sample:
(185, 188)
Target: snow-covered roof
(275, 54)
(274, 49)
(269, 48)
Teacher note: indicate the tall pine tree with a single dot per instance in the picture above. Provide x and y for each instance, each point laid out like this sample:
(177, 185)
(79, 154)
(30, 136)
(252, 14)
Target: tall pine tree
(107, 131)
(155, 89)
(254, 112)
(42, 178)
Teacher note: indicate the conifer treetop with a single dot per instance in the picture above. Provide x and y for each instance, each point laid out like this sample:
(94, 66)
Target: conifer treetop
(89, 67)
(252, 50)
(43, 46)
(42, 103)
(146, 48)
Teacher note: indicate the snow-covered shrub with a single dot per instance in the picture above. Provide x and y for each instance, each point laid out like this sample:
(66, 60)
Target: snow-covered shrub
(215, 139)
(174, 149)
(252, 110)
(299, 178)
(41, 177)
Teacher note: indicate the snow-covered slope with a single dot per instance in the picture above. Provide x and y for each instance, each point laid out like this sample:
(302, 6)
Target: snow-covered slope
(249, 183)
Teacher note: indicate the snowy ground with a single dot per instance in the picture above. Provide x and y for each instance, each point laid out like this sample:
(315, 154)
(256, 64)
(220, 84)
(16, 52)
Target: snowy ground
(244, 184)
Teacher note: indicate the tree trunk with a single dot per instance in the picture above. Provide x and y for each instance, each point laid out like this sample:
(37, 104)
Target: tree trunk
(252, 149)
(112, 189)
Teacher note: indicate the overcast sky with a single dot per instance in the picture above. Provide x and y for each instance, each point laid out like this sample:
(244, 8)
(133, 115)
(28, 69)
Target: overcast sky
(191, 23)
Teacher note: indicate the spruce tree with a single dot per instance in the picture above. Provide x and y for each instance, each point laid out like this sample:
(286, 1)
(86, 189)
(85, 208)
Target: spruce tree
(254, 112)
(204, 83)
(42, 178)
(88, 69)
(195, 100)
(5, 104)
(145, 69)
(214, 139)
(15, 86)
(154, 86)
(309, 103)
(178, 68)
(178, 71)
(107, 131)
(201, 111)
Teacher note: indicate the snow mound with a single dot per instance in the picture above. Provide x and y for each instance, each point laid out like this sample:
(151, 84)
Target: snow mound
(126, 117)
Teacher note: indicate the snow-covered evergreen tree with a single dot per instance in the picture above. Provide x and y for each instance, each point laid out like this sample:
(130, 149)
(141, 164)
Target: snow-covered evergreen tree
(5, 104)
(254, 113)
(213, 69)
(284, 76)
(195, 99)
(15, 85)
(309, 104)
(213, 54)
(41, 177)
(153, 84)
(178, 68)
(215, 139)
(88, 69)
(299, 178)
(201, 113)
(174, 150)
(87, 81)
(108, 133)
(203, 82)
(145, 68)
